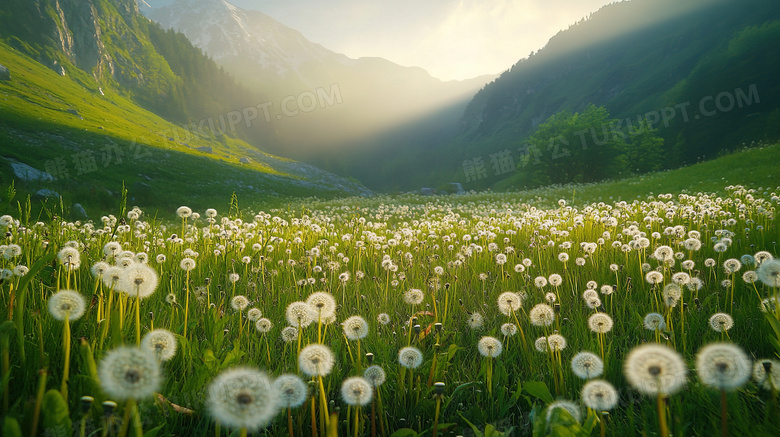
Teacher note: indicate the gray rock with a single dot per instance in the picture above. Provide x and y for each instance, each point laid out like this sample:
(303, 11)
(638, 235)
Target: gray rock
(245, 160)
(205, 149)
(74, 112)
(5, 73)
(77, 212)
(45, 193)
(30, 174)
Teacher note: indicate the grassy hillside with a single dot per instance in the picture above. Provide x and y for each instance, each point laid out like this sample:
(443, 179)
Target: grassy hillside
(92, 142)
(753, 167)
(638, 58)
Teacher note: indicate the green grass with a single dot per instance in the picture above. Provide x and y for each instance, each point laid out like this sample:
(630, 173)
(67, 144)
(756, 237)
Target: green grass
(271, 252)
(755, 167)
(36, 128)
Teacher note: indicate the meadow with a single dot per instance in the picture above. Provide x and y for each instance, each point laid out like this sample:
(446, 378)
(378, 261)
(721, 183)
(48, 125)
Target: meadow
(397, 316)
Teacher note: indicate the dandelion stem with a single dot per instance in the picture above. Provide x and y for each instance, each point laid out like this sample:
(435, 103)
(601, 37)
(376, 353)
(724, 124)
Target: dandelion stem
(724, 417)
(662, 415)
(38, 400)
(66, 362)
(436, 416)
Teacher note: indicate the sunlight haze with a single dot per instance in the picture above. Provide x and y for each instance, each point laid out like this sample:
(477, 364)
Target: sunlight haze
(451, 39)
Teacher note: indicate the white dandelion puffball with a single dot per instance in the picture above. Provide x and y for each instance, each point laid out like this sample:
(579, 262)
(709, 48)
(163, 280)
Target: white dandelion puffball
(161, 342)
(654, 369)
(410, 357)
(599, 395)
(187, 264)
(243, 398)
(300, 314)
(67, 304)
(69, 257)
(766, 373)
(414, 296)
(139, 280)
(475, 321)
(769, 272)
(541, 315)
(112, 278)
(654, 322)
(323, 304)
(239, 303)
(356, 391)
(600, 323)
(254, 314)
(289, 334)
(293, 392)
(723, 366)
(383, 318)
(316, 360)
(264, 325)
(489, 347)
(183, 211)
(720, 322)
(355, 328)
(556, 342)
(508, 329)
(509, 302)
(587, 365)
(570, 407)
(130, 373)
(375, 375)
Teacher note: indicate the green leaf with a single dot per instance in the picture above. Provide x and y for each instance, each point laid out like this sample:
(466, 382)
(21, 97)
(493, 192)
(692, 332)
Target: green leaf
(476, 430)
(11, 428)
(404, 432)
(154, 431)
(21, 293)
(54, 410)
(539, 390)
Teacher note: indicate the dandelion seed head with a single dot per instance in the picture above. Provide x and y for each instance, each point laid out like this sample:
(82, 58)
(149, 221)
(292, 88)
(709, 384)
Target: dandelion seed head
(375, 375)
(599, 395)
(508, 329)
(587, 365)
(720, 322)
(355, 328)
(475, 321)
(161, 342)
(323, 304)
(766, 373)
(541, 315)
(243, 398)
(383, 318)
(293, 392)
(410, 357)
(264, 325)
(654, 322)
(67, 304)
(723, 366)
(509, 302)
(654, 368)
(300, 314)
(356, 391)
(570, 407)
(130, 373)
(254, 314)
(414, 296)
(490, 347)
(600, 323)
(316, 360)
(289, 334)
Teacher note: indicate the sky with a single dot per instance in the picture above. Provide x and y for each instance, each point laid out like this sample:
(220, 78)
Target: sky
(451, 39)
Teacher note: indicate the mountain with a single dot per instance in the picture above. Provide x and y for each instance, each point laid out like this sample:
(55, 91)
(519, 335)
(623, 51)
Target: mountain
(324, 107)
(93, 94)
(641, 60)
